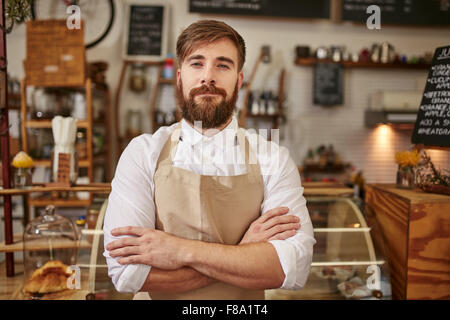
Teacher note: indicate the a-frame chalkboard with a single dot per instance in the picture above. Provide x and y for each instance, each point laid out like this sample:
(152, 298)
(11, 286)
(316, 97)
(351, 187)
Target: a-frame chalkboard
(432, 126)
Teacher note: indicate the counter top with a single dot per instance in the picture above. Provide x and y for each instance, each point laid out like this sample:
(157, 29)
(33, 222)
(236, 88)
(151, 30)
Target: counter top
(414, 196)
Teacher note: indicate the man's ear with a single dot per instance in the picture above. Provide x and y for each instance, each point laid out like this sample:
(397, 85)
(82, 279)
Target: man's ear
(240, 79)
(178, 76)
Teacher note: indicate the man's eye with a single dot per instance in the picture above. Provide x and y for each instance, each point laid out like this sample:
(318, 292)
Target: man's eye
(196, 64)
(223, 66)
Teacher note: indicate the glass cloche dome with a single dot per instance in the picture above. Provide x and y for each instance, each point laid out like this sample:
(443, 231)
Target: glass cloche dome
(50, 248)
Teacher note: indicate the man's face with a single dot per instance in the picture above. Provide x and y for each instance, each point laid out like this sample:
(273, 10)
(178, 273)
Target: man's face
(208, 82)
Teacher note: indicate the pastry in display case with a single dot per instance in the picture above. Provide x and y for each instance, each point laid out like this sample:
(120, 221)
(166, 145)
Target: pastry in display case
(348, 260)
(50, 248)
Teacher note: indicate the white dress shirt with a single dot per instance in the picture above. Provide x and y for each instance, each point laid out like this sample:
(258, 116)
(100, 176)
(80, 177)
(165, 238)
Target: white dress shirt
(131, 201)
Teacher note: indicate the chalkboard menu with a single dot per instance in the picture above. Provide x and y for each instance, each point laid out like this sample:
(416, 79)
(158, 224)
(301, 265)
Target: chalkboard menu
(328, 84)
(403, 12)
(432, 126)
(146, 36)
(268, 8)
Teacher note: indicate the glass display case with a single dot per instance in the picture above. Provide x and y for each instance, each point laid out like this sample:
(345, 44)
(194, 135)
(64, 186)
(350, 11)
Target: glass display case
(348, 262)
(349, 259)
(95, 284)
(64, 262)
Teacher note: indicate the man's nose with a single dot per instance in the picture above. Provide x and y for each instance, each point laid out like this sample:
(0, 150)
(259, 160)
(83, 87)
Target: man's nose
(208, 77)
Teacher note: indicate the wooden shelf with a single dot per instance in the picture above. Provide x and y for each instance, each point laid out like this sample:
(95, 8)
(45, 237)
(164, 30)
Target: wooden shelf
(41, 245)
(48, 200)
(267, 116)
(91, 187)
(331, 192)
(369, 65)
(48, 124)
(47, 163)
(166, 81)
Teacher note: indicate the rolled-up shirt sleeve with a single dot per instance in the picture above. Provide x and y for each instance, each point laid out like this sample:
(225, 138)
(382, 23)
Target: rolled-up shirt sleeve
(130, 203)
(283, 189)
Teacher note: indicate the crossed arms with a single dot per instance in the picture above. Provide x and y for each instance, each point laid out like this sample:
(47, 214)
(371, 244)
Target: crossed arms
(179, 264)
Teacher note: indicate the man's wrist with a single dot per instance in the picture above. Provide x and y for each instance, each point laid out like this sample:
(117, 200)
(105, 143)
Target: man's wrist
(186, 252)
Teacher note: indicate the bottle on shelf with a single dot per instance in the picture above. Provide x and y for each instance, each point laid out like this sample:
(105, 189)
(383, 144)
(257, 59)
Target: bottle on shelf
(168, 71)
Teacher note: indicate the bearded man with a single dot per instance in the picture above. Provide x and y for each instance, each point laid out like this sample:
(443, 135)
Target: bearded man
(204, 209)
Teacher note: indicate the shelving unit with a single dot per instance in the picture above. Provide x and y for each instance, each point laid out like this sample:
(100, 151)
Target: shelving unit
(86, 163)
(247, 87)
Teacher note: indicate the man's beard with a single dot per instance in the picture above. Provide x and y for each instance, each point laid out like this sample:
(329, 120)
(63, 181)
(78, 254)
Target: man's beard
(211, 114)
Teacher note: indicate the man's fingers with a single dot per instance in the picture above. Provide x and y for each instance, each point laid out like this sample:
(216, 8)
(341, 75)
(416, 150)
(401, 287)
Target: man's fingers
(124, 252)
(283, 235)
(281, 220)
(136, 259)
(122, 243)
(280, 228)
(273, 213)
(130, 231)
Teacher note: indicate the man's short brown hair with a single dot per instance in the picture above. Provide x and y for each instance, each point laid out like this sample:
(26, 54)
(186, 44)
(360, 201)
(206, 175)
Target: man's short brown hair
(207, 31)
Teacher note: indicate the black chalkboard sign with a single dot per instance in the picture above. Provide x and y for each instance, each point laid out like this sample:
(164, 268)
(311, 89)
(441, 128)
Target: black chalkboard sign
(328, 84)
(432, 126)
(146, 37)
(268, 8)
(402, 12)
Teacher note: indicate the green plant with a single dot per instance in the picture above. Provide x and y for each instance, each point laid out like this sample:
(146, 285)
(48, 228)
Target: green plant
(16, 12)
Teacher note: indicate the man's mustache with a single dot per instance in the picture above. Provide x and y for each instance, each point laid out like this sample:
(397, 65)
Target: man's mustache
(204, 89)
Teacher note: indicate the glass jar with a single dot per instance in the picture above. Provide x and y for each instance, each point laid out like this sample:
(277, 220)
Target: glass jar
(50, 247)
(138, 80)
(23, 178)
(406, 177)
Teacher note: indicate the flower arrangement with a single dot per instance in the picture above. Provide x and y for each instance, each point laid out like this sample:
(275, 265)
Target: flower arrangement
(407, 158)
(430, 179)
(406, 161)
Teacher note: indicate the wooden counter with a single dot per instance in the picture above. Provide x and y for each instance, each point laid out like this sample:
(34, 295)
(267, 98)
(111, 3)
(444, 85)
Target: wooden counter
(415, 227)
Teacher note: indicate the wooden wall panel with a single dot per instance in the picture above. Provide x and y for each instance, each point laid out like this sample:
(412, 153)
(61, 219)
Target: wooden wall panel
(416, 229)
(429, 252)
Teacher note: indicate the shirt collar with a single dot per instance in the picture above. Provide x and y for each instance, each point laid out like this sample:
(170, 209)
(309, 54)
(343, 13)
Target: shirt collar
(225, 137)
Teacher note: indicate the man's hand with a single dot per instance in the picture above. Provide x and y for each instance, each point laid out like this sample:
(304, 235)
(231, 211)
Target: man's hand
(272, 225)
(146, 246)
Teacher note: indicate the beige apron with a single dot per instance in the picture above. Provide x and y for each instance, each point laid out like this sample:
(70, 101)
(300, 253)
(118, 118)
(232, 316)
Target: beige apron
(208, 208)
